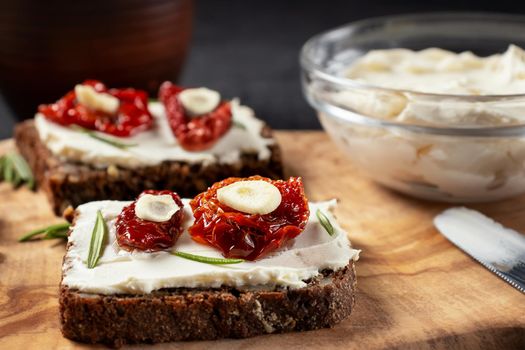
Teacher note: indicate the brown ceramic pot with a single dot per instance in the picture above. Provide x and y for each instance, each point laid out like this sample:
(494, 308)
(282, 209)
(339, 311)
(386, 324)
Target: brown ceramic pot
(48, 46)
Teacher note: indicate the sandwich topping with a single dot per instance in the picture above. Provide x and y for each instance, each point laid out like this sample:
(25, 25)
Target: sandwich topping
(151, 223)
(197, 117)
(199, 101)
(157, 208)
(96, 101)
(190, 125)
(251, 196)
(190, 264)
(249, 218)
(91, 105)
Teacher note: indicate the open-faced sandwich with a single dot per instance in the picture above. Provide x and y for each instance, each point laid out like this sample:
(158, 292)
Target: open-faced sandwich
(98, 143)
(249, 256)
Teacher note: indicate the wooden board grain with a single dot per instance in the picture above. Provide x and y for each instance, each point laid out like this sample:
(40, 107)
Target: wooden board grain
(415, 289)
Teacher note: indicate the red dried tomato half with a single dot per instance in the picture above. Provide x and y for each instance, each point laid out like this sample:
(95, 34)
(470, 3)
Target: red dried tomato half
(194, 133)
(249, 236)
(132, 116)
(134, 233)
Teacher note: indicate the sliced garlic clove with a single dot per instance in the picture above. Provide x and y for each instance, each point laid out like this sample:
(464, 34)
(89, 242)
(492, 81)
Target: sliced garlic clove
(199, 101)
(251, 196)
(99, 101)
(156, 208)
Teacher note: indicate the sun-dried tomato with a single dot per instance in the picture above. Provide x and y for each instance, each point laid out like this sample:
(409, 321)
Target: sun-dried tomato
(134, 233)
(132, 116)
(249, 236)
(194, 133)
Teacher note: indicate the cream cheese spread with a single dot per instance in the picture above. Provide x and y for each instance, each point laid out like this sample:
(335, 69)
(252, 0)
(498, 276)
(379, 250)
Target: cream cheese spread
(120, 271)
(158, 144)
(444, 167)
(438, 71)
(452, 169)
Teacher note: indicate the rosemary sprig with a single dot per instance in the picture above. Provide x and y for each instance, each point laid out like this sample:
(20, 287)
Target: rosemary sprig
(100, 138)
(207, 259)
(23, 170)
(14, 169)
(7, 169)
(323, 220)
(238, 124)
(98, 236)
(50, 232)
(55, 235)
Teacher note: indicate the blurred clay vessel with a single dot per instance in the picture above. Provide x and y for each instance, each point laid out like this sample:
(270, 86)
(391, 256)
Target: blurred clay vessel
(48, 46)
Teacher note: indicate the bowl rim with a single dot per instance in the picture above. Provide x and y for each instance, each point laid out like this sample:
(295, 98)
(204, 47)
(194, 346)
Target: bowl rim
(313, 68)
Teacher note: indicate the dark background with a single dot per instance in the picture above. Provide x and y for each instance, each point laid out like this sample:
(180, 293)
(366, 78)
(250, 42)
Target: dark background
(250, 48)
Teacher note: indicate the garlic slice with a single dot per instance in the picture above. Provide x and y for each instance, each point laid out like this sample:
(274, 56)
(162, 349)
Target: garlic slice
(251, 196)
(199, 101)
(156, 208)
(99, 101)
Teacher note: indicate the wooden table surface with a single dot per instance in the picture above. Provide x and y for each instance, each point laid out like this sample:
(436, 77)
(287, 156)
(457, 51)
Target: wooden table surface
(415, 289)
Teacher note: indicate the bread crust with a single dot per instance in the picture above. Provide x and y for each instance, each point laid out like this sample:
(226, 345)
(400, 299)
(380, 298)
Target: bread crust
(72, 183)
(206, 314)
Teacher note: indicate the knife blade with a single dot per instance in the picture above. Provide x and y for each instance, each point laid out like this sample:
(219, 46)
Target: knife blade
(499, 249)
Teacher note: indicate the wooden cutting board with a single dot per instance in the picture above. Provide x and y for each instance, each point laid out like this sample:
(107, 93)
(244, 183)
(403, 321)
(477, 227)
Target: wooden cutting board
(415, 289)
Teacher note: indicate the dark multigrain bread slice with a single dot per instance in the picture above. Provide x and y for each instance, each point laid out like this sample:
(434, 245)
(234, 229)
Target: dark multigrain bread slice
(68, 183)
(205, 314)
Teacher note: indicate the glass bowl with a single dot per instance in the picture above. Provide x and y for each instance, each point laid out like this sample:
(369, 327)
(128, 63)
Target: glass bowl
(460, 161)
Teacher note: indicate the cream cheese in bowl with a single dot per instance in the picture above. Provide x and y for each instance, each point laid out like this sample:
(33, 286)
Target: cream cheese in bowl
(437, 71)
(433, 123)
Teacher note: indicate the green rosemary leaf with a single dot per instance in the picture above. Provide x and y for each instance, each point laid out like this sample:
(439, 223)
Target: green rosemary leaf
(113, 143)
(50, 230)
(23, 170)
(207, 259)
(16, 180)
(14, 169)
(2, 165)
(9, 171)
(323, 220)
(151, 99)
(56, 234)
(98, 236)
(100, 138)
(31, 183)
(238, 124)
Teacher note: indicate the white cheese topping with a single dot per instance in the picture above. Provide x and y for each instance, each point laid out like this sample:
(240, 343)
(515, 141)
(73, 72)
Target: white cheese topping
(156, 145)
(119, 271)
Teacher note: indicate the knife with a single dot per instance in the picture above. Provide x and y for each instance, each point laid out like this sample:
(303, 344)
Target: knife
(499, 249)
